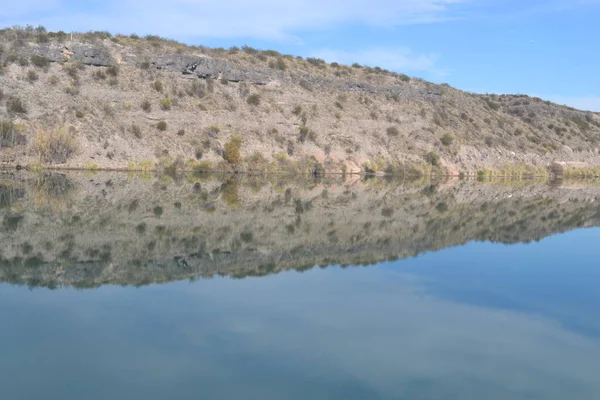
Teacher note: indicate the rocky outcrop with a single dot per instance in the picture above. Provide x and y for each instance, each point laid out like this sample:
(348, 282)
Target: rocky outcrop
(85, 53)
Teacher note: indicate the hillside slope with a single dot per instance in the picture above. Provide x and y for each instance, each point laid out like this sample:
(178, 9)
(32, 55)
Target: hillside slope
(98, 101)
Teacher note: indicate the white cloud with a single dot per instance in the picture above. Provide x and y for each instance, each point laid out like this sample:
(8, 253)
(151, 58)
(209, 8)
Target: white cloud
(265, 19)
(399, 59)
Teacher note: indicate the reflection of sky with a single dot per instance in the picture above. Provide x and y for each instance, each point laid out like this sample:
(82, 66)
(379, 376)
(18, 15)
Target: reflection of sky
(480, 321)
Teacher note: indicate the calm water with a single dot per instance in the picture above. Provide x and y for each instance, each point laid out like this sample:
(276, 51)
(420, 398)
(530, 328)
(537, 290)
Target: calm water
(152, 288)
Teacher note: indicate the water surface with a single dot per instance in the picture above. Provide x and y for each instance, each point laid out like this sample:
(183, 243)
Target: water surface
(120, 286)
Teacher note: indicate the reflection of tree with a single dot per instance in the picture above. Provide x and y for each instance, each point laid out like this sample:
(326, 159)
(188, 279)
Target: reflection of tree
(203, 227)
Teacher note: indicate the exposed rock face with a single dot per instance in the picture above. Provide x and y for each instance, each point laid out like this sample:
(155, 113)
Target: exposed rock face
(88, 54)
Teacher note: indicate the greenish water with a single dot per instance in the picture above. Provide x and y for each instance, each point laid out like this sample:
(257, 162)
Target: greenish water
(464, 290)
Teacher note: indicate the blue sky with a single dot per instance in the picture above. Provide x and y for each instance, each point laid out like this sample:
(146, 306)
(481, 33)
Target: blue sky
(542, 48)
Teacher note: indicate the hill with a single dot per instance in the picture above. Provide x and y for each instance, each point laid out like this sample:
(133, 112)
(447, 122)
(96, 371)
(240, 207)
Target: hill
(124, 102)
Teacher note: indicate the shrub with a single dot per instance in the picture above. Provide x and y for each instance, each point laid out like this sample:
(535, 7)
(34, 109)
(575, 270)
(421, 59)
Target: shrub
(165, 104)
(53, 80)
(392, 131)
(137, 132)
(15, 105)
(146, 106)
(161, 126)
(278, 64)
(297, 109)
(23, 62)
(39, 61)
(145, 64)
(181, 132)
(157, 85)
(315, 61)
(113, 81)
(32, 76)
(99, 75)
(253, 99)
(432, 158)
(212, 130)
(56, 146)
(79, 114)
(10, 135)
(72, 90)
(447, 139)
(404, 78)
(231, 151)
(198, 153)
(113, 70)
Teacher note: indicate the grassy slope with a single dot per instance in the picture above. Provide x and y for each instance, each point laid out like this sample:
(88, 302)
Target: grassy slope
(310, 116)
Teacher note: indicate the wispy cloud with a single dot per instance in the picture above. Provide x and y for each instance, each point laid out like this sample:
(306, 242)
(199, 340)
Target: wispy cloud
(399, 59)
(265, 19)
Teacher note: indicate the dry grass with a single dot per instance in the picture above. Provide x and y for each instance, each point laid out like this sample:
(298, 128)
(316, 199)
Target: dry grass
(54, 147)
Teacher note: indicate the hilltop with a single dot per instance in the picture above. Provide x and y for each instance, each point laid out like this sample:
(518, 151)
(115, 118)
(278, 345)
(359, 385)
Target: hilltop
(96, 100)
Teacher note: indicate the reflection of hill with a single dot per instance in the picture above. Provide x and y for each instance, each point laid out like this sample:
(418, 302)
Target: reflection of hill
(85, 231)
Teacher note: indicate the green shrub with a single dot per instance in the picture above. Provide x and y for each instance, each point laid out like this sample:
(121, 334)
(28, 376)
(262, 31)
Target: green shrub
(297, 109)
(253, 99)
(161, 126)
(79, 114)
(404, 78)
(432, 158)
(99, 75)
(278, 64)
(11, 135)
(181, 132)
(32, 76)
(146, 106)
(157, 85)
(137, 132)
(39, 61)
(113, 82)
(72, 90)
(113, 70)
(447, 139)
(212, 130)
(16, 106)
(165, 104)
(231, 150)
(145, 64)
(392, 131)
(56, 146)
(198, 153)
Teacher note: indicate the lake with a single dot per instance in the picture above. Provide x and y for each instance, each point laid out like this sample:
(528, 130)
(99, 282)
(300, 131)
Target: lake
(117, 286)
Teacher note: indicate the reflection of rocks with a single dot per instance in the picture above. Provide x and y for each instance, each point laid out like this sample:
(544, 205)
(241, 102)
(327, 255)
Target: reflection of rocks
(86, 231)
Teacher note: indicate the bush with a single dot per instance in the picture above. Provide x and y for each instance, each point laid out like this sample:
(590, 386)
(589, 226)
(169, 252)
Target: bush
(161, 126)
(253, 99)
(113, 70)
(447, 139)
(145, 64)
(137, 132)
(56, 146)
(32, 76)
(315, 61)
(198, 153)
(278, 64)
(231, 151)
(99, 75)
(39, 61)
(113, 82)
(157, 85)
(404, 78)
(10, 135)
(15, 105)
(432, 158)
(72, 90)
(212, 131)
(79, 114)
(165, 104)
(392, 131)
(146, 106)
(181, 132)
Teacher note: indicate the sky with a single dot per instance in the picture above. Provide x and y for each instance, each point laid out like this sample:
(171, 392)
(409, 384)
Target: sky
(541, 48)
